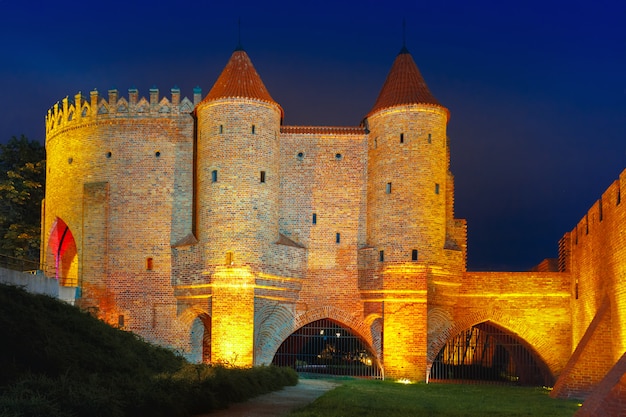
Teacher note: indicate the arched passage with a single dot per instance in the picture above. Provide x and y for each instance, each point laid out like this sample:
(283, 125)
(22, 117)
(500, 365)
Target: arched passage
(487, 352)
(62, 254)
(201, 339)
(326, 347)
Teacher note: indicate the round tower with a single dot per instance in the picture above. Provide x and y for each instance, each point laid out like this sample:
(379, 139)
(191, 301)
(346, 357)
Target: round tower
(237, 168)
(407, 168)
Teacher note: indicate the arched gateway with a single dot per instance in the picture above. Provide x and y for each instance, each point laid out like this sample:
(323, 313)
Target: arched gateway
(488, 353)
(326, 347)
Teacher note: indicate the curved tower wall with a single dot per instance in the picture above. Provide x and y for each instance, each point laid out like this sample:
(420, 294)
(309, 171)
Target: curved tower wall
(119, 175)
(237, 209)
(407, 176)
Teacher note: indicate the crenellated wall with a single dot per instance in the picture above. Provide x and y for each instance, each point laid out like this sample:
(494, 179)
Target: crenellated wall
(594, 253)
(119, 187)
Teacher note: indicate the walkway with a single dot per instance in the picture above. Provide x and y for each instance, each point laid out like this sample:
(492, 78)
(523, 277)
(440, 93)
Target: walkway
(278, 403)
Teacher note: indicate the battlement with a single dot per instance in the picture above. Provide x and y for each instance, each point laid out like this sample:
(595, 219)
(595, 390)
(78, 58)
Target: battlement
(609, 207)
(95, 107)
(323, 130)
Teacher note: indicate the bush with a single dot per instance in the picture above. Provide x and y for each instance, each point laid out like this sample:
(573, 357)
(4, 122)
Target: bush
(61, 362)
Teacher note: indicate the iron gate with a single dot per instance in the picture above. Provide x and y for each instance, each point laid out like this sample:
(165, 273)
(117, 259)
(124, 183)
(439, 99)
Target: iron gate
(325, 347)
(488, 353)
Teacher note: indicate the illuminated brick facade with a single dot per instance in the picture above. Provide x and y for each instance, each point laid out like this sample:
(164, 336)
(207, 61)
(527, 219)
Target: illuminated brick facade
(206, 222)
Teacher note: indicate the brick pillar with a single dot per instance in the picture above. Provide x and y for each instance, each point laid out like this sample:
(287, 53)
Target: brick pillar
(405, 322)
(232, 326)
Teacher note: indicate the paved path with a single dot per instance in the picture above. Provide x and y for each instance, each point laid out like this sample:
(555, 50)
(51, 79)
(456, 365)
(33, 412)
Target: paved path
(278, 403)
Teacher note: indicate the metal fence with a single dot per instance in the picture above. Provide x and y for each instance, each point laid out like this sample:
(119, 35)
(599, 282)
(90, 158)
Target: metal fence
(325, 347)
(486, 353)
(17, 264)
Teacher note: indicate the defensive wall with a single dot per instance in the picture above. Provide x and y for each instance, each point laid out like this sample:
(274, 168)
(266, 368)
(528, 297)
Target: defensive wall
(119, 187)
(594, 254)
(208, 227)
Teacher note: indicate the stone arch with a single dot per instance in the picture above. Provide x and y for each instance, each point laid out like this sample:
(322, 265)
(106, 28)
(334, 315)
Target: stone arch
(537, 343)
(327, 346)
(375, 321)
(340, 316)
(62, 254)
(289, 324)
(273, 323)
(197, 321)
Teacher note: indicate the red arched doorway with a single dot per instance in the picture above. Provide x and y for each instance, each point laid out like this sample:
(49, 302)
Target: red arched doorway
(63, 255)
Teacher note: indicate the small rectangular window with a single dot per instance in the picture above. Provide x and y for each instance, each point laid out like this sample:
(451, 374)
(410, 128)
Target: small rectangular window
(149, 264)
(401, 137)
(414, 255)
(436, 188)
(600, 216)
(430, 138)
(221, 129)
(388, 188)
(120, 320)
(262, 176)
(381, 256)
(253, 129)
(314, 221)
(229, 258)
(214, 175)
(338, 238)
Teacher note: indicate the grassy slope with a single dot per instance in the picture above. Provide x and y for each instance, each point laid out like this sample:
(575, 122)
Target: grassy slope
(44, 336)
(57, 361)
(381, 398)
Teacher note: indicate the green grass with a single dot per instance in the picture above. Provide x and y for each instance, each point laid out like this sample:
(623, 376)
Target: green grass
(57, 361)
(384, 398)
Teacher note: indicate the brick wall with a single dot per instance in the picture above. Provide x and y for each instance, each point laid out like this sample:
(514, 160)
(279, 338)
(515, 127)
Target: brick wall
(595, 253)
(119, 175)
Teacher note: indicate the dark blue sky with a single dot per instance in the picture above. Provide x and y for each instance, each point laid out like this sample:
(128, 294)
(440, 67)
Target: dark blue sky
(536, 89)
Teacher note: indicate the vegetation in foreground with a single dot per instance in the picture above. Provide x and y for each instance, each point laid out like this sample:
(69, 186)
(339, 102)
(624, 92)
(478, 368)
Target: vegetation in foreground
(22, 183)
(384, 398)
(57, 361)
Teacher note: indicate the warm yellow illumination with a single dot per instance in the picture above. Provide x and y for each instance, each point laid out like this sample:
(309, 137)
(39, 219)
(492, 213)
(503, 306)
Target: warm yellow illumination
(404, 381)
(515, 295)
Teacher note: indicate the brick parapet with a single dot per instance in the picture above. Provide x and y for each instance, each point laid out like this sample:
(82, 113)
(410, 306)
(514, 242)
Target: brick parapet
(596, 248)
(86, 110)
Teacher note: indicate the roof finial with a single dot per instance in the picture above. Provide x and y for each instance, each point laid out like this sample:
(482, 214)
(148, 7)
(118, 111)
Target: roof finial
(239, 45)
(404, 50)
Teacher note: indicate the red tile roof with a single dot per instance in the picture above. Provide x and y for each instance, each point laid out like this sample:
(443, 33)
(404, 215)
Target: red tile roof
(404, 85)
(239, 79)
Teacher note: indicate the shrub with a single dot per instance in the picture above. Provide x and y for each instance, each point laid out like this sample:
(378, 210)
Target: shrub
(61, 362)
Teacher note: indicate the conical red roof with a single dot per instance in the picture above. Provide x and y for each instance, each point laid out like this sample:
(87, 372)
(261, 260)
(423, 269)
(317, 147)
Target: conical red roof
(239, 79)
(404, 85)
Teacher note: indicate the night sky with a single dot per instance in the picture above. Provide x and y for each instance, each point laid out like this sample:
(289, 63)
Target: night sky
(536, 89)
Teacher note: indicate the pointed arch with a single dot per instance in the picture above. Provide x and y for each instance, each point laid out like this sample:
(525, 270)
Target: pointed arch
(487, 351)
(197, 321)
(534, 337)
(62, 254)
(315, 320)
(326, 346)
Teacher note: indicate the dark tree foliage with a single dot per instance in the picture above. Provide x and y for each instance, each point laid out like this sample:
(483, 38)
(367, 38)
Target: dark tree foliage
(22, 180)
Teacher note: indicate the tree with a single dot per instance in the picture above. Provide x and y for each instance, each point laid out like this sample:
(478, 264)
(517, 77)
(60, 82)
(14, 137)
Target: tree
(22, 180)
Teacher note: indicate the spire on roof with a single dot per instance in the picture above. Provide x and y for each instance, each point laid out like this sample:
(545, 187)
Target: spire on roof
(239, 45)
(239, 79)
(404, 85)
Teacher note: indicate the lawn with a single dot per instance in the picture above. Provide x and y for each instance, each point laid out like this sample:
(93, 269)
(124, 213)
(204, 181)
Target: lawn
(383, 398)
